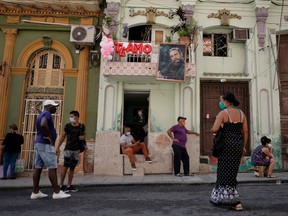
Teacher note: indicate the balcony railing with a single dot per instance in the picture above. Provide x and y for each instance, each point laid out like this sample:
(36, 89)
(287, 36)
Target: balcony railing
(134, 64)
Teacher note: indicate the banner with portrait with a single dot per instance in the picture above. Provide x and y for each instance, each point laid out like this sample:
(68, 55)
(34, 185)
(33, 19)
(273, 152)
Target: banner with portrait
(171, 65)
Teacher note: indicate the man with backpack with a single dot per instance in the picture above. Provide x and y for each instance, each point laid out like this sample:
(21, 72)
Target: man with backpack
(75, 136)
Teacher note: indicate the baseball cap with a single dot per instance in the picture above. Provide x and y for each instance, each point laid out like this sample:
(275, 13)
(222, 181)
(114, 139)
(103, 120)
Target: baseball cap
(180, 117)
(49, 102)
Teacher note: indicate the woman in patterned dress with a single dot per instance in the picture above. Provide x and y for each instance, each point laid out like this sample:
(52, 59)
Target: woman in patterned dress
(235, 136)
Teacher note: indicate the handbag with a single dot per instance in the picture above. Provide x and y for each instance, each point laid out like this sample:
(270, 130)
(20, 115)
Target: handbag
(82, 143)
(218, 143)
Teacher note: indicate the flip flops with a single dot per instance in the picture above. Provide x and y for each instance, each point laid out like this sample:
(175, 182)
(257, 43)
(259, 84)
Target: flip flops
(271, 176)
(238, 207)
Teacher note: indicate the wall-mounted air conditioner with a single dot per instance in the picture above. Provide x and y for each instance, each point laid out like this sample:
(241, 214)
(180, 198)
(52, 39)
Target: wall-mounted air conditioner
(82, 34)
(239, 35)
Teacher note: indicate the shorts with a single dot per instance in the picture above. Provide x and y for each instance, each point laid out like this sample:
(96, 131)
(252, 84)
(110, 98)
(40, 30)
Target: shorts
(45, 156)
(71, 158)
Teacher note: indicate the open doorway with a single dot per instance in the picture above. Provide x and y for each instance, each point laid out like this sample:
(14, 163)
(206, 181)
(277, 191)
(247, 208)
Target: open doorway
(136, 112)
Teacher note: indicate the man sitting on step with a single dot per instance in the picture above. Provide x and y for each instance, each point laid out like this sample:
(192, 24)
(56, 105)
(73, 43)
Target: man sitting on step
(130, 147)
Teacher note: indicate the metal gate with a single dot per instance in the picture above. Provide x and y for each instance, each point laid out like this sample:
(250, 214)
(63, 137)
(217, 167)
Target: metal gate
(33, 107)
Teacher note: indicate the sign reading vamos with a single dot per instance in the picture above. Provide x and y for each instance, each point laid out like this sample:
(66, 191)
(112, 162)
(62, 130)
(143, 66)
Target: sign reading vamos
(122, 48)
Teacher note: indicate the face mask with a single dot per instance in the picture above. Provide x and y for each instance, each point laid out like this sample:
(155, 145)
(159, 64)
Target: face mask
(269, 145)
(127, 133)
(221, 105)
(72, 120)
(53, 110)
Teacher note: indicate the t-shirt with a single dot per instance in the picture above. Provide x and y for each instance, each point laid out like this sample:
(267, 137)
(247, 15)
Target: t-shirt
(180, 133)
(73, 133)
(126, 139)
(41, 133)
(12, 142)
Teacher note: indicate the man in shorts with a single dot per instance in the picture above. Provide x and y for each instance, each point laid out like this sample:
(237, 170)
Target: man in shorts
(74, 132)
(45, 152)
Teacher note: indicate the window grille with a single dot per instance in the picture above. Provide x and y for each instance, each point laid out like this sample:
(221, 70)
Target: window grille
(215, 45)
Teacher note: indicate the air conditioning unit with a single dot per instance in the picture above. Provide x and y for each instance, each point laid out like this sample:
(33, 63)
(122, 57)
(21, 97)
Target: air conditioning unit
(239, 35)
(82, 34)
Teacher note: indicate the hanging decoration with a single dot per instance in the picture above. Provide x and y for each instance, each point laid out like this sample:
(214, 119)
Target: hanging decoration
(107, 45)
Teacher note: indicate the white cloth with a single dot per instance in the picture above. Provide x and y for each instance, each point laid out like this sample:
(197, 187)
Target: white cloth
(126, 139)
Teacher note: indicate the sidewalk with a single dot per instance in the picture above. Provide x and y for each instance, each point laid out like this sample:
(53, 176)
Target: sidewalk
(92, 180)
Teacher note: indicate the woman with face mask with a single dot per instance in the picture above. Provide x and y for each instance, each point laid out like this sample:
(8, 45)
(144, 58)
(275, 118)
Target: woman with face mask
(235, 136)
(262, 156)
(12, 148)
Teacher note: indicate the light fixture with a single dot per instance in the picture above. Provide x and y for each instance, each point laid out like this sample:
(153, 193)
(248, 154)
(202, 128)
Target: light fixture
(170, 14)
(47, 41)
(131, 12)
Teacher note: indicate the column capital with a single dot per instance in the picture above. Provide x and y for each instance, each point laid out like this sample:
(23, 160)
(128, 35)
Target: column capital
(261, 17)
(188, 10)
(10, 33)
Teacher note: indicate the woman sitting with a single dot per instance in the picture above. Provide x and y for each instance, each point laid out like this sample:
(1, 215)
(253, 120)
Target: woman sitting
(262, 156)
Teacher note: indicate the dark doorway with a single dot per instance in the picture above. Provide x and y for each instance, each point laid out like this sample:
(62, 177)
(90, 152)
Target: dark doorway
(140, 33)
(210, 94)
(136, 108)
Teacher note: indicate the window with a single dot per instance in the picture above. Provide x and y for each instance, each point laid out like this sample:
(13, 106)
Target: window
(46, 70)
(215, 45)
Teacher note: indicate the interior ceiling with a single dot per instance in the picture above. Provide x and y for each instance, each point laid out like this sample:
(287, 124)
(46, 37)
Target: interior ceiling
(136, 97)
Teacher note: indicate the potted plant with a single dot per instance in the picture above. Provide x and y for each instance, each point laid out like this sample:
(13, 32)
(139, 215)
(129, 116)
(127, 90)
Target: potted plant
(186, 28)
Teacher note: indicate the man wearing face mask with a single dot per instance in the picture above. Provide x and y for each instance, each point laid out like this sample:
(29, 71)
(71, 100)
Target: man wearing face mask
(130, 147)
(74, 131)
(45, 152)
(178, 134)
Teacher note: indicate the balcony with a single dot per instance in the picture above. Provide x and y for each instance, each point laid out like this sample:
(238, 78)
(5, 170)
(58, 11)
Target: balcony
(138, 63)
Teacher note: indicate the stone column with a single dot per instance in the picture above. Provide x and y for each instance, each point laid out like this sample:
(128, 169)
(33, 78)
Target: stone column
(10, 37)
(261, 16)
(81, 93)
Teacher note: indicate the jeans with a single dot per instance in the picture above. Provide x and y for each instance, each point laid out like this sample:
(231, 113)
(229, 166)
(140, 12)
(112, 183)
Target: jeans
(10, 159)
(180, 154)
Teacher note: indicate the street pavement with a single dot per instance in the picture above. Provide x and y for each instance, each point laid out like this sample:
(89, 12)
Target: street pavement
(258, 199)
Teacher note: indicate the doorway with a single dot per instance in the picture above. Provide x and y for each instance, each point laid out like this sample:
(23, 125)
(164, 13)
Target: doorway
(210, 95)
(136, 113)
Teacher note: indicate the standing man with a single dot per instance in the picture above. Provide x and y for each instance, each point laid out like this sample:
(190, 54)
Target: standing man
(74, 132)
(45, 152)
(175, 69)
(178, 134)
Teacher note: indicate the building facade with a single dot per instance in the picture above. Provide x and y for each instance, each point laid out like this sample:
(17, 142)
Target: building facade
(235, 49)
(237, 46)
(49, 51)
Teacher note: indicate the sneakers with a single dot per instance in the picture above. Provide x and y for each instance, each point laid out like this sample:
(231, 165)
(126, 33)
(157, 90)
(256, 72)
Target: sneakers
(71, 189)
(148, 160)
(39, 195)
(64, 188)
(133, 166)
(179, 175)
(60, 195)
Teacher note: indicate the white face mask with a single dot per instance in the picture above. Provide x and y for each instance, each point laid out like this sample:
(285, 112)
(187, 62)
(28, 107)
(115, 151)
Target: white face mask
(269, 145)
(72, 120)
(127, 133)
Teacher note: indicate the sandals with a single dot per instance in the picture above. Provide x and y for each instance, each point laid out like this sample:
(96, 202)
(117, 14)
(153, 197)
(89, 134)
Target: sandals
(238, 207)
(271, 176)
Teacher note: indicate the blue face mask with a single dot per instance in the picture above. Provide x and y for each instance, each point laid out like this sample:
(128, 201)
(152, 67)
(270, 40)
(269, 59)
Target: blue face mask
(221, 105)
(72, 120)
